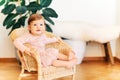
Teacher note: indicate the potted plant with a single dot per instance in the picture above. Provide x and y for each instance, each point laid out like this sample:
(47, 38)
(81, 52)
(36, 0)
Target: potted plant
(17, 11)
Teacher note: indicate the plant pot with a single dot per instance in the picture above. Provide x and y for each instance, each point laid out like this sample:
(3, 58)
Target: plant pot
(79, 48)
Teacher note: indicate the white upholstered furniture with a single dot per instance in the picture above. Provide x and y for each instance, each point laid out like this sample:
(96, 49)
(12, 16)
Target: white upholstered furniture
(87, 32)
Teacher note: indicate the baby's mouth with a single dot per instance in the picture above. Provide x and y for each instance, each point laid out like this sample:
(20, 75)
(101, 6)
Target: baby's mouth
(38, 30)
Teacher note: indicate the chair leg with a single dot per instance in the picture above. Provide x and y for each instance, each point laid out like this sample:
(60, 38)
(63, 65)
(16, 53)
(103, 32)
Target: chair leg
(39, 77)
(73, 77)
(108, 52)
(111, 58)
(21, 73)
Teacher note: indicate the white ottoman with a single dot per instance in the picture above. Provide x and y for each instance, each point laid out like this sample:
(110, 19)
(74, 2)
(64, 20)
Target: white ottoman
(83, 31)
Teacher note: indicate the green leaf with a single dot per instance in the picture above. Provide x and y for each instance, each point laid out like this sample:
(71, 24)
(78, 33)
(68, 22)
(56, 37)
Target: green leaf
(23, 3)
(45, 3)
(21, 9)
(50, 12)
(48, 28)
(8, 8)
(10, 24)
(48, 19)
(2, 2)
(15, 26)
(9, 18)
(13, 0)
(22, 20)
(33, 6)
(6, 4)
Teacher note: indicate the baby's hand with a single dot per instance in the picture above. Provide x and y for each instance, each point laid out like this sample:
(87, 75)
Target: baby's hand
(55, 39)
(27, 51)
(59, 39)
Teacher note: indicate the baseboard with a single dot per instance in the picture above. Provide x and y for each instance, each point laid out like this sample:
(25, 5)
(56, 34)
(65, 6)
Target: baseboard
(93, 58)
(99, 59)
(84, 59)
(117, 59)
(5, 60)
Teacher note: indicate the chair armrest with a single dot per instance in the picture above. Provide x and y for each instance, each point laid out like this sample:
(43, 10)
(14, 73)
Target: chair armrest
(35, 56)
(61, 45)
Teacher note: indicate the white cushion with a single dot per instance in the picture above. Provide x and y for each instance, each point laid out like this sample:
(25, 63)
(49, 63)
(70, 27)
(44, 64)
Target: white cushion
(104, 34)
(86, 31)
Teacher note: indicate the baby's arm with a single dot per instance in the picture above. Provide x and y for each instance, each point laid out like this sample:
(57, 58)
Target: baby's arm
(51, 40)
(19, 43)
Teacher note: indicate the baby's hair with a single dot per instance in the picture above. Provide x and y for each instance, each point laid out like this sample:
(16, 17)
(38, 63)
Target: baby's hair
(34, 17)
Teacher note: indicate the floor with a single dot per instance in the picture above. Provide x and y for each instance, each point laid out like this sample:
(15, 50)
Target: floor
(97, 70)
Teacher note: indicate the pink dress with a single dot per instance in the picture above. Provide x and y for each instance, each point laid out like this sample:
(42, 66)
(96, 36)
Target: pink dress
(38, 42)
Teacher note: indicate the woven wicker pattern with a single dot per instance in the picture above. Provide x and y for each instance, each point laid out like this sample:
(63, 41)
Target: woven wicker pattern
(61, 46)
(53, 72)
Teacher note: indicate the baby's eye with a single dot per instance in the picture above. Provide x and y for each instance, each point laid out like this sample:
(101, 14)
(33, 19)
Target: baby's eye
(41, 24)
(35, 24)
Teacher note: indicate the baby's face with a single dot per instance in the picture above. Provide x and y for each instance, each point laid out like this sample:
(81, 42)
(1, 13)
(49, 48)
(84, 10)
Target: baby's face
(37, 27)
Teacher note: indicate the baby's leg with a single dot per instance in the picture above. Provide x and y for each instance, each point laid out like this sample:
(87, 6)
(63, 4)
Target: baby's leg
(69, 57)
(62, 56)
(61, 63)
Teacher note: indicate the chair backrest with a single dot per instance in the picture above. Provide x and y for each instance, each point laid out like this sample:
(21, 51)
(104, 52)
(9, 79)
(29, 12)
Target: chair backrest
(18, 32)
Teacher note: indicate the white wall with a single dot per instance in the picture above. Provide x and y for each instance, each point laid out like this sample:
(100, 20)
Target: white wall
(118, 23)
(6, 47)
(99, 12)
(118, 12)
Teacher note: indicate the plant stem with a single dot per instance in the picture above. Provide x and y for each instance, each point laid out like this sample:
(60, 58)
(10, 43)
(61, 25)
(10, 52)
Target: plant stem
(38, 1)
(19, 5)
(18, 2)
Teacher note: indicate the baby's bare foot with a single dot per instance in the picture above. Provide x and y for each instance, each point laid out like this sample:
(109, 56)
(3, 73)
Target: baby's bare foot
(71, 64)
(71, 55)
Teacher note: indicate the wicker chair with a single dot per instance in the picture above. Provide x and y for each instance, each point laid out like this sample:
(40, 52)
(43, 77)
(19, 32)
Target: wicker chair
(33, 63)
